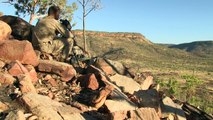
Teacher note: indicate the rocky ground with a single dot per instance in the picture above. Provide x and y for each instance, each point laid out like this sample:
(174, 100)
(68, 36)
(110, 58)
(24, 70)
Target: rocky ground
(34, 88)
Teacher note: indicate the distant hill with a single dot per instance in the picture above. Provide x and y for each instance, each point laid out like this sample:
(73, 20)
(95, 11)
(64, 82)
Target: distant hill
(200, 48)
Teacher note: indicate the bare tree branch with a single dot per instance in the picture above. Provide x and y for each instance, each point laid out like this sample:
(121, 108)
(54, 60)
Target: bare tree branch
(87, 2)
(80, 2)
(93, 8)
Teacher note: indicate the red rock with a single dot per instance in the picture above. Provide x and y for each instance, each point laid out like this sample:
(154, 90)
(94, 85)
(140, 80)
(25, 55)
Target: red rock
(53, 82)
(5, 31)
(16, 68)
(22, 51)
(102, 96)
(89, 81)
(66, 71)
(104, 66)
(26, 84)
(6, 79)
(32, 72)
(101, 78)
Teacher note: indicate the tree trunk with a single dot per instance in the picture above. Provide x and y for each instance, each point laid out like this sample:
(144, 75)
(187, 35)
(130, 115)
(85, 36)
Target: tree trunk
(31, 18)
(32, 15)
(84, 34)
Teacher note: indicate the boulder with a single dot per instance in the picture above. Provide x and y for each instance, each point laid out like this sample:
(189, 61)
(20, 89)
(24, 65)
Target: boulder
(147, 83)
(127, 85)
(22, 51)
(21, 29)
(88, 81)
(119, 105)
(169, 108)
(104, 66)
(149, 98)
(25, 84)
(16, 68)
(6, 79)
(47, 109)
(5, 31)
(66, 71)
(117, 98)
(53, 82)
(117, 66)
(144, 114)
(15, 115)
(104, 93)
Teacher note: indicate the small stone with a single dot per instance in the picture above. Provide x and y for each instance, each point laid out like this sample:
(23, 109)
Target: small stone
(53, 82)
(89, 81)
(15, 115)
(2, 64)
(6, 79)
(32, 72)
(3, 107)
(26, 84)
(47, 77)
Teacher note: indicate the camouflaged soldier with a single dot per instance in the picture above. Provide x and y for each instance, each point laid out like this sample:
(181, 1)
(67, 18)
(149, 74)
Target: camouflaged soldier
(45, 36)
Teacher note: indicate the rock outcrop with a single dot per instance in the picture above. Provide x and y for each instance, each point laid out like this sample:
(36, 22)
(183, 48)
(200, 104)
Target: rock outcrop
(135, 36)
(34, 88)
(5, 31)
(22, 51)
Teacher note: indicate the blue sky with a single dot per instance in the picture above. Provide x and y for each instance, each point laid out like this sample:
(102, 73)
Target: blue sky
(161, 21)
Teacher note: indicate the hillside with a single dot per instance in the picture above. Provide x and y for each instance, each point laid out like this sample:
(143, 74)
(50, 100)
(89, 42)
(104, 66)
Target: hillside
(201, 48)
(138, 49)
(143, 56)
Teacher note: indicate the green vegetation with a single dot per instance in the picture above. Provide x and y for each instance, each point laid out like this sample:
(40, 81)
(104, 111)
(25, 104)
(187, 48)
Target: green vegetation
(188, 91)
(35, 8)
(181, 73)
(190, 86)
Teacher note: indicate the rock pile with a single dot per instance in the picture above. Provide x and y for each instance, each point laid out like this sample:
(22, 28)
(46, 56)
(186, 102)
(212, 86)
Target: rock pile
(36, 89)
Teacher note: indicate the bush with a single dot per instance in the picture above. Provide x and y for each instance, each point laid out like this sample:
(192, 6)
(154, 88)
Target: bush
(192, 83)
